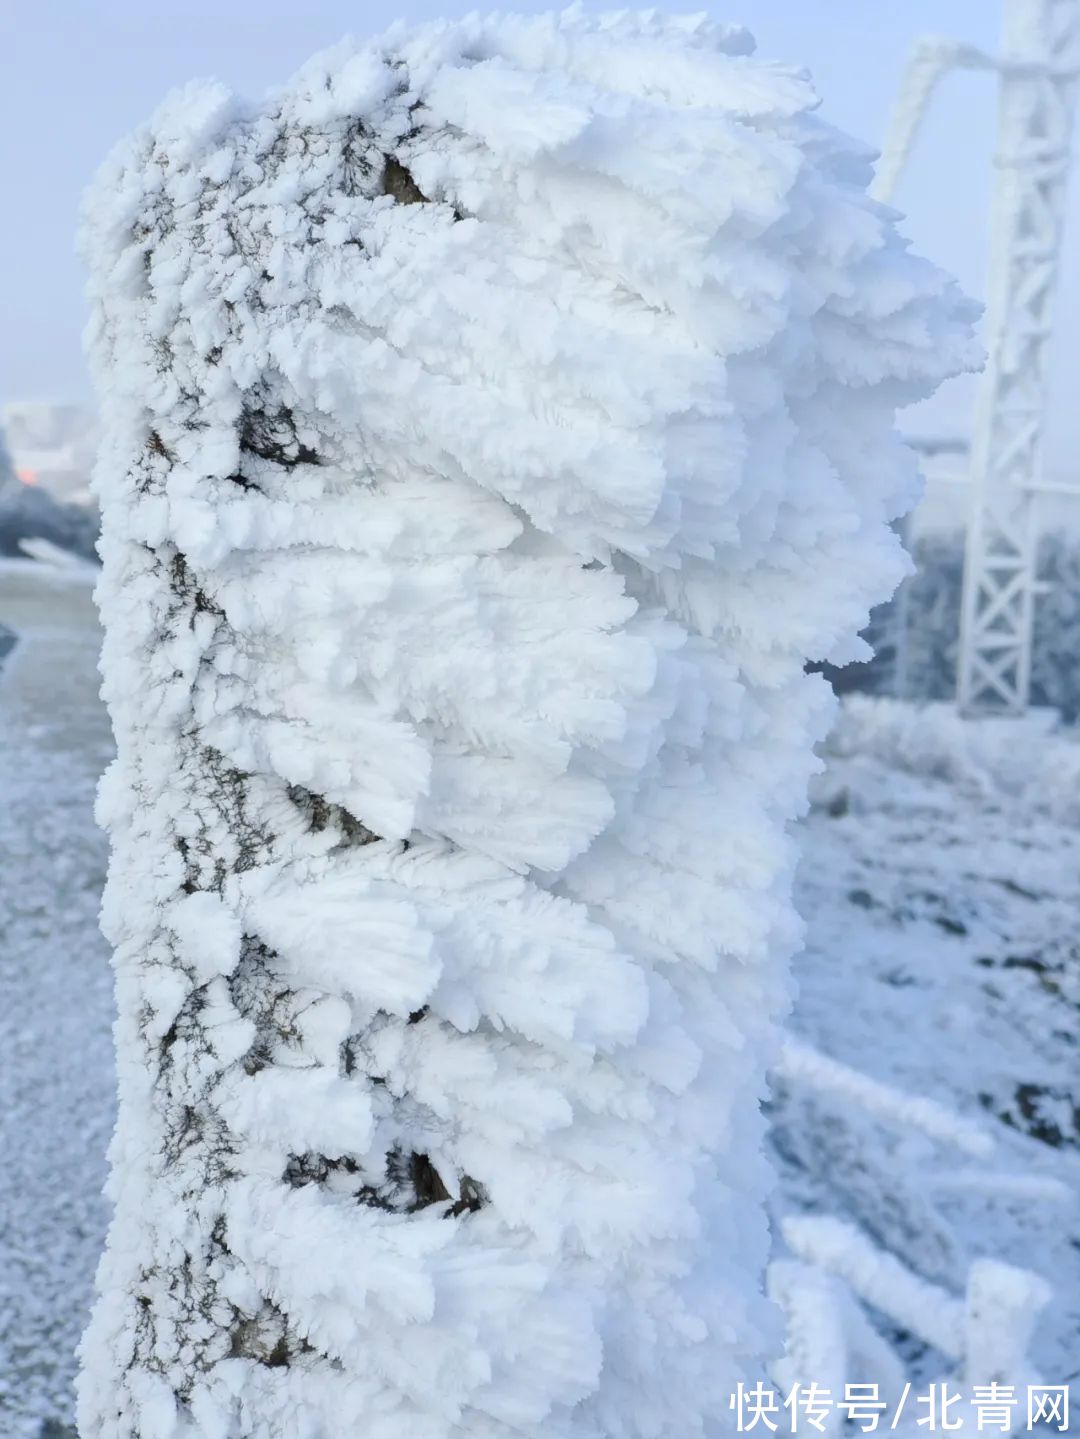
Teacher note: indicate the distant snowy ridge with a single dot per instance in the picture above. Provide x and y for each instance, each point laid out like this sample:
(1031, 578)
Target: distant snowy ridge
(496, 420)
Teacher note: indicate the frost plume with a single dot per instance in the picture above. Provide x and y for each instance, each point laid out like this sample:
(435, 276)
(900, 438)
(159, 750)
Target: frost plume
(497, 419)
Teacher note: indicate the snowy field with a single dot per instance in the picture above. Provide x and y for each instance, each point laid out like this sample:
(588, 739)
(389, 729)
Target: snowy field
(56, 1110)
(939, 886)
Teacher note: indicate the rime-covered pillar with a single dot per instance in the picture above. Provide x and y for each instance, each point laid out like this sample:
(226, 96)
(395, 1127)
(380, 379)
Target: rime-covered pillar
(496, 421)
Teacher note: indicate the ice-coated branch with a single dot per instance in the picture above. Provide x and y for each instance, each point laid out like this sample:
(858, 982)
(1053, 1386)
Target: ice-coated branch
(1001, 1307)
(880, 1279)
(829, 1339)
(809, 1067)
(987, 1332)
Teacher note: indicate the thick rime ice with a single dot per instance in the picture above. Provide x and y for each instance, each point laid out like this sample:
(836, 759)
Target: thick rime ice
(496, 420)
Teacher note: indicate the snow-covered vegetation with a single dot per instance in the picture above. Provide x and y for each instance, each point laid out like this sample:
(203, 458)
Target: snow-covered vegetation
(930, 608)
(496, 421)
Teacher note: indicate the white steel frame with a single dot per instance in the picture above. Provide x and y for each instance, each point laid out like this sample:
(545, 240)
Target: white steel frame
(1038, 77)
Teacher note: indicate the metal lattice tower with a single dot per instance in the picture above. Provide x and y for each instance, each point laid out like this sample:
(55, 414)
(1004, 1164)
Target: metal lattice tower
(1038, 78)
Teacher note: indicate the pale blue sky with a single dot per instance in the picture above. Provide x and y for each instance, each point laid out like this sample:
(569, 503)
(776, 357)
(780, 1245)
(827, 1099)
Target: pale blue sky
(75, 76)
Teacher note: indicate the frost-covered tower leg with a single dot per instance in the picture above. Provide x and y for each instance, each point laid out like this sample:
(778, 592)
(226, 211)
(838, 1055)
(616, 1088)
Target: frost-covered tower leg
(496, 420)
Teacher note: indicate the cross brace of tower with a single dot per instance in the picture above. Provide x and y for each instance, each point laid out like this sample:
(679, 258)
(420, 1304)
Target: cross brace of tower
(1038, 74)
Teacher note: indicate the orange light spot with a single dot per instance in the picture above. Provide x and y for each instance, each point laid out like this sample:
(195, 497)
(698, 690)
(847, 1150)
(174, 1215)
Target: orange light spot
(28, 477)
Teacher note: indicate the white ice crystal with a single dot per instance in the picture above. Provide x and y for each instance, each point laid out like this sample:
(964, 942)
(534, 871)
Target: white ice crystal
(496, 420)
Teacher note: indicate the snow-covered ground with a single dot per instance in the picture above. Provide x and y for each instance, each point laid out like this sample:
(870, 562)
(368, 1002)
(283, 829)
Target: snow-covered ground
(943, 957)
(55, 1043)
(940, 887)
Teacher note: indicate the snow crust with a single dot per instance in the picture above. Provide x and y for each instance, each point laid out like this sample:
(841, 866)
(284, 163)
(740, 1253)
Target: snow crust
(496, 420)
